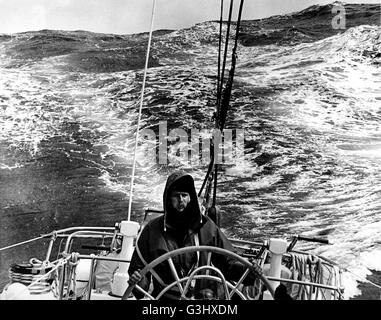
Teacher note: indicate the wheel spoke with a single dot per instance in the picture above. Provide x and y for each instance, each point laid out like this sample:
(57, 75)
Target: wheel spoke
(144, 292)
(230, 289)
(174, 272)
(208, 261)
(239, 282)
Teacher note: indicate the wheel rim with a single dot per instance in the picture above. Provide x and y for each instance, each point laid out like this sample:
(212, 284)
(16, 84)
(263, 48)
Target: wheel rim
(251, 267)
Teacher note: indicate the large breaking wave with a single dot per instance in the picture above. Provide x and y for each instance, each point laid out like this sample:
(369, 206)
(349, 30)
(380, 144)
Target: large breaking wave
(307, 96)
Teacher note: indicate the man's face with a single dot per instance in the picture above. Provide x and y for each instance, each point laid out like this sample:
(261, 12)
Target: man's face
(179, 200)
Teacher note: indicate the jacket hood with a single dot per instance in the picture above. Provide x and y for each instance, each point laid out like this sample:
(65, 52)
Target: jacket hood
(193, 211)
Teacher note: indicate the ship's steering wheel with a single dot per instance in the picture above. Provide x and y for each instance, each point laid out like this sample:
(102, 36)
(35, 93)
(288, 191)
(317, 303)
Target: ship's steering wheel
(229, 288)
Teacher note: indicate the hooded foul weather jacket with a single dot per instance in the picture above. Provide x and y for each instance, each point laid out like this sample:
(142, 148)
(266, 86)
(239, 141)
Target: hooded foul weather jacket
(168, 232)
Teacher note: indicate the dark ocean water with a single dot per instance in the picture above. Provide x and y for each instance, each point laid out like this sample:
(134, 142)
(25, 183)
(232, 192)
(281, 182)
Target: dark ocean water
(307, 96)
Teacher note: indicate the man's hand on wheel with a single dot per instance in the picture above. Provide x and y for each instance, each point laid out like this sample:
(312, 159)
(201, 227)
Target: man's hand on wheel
(135, 278)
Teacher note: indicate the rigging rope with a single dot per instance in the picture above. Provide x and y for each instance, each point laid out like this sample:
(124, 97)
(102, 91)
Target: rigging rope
(218, 98)
(210, 168)
(228, 88)
(224, 60)
(223, 105)
(347, 270)
(363, 279)
(310, 269)
(219, 54)
(23, 242)
(140, 110)
(323, 275)
(60, 263)
(219, 87)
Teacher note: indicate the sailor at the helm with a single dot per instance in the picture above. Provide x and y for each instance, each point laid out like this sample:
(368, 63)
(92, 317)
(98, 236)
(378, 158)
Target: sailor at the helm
(182, 225)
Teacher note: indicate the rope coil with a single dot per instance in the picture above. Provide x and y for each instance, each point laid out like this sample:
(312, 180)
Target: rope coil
(35, 283)
(311, 269)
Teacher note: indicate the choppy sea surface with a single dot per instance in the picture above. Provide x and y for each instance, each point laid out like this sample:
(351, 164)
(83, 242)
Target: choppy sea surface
(307, 96)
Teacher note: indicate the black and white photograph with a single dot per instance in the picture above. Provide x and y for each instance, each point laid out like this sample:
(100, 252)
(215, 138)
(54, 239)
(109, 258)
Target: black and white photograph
(208, 151)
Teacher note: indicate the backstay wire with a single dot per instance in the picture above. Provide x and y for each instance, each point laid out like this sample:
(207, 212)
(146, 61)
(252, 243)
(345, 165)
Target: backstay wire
(140, 109)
